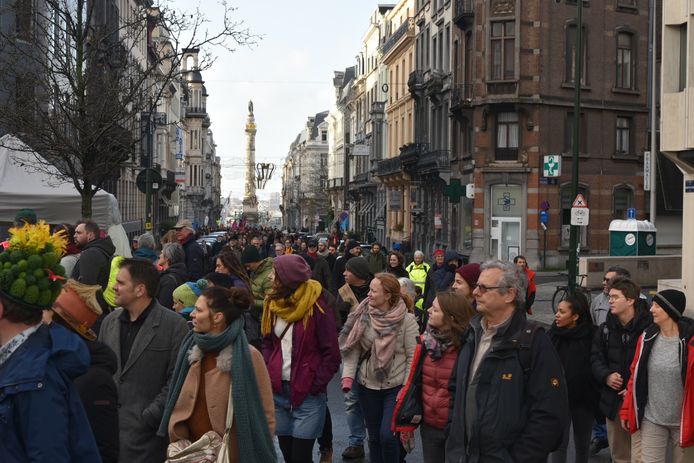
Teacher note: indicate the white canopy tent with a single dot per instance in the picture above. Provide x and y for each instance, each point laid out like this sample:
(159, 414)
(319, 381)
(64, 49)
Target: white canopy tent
(55, 201)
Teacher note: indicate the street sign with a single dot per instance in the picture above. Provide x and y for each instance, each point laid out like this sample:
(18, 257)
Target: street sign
(647, 171)
(360, 150)
(148, 225)
(631, 213)
(154, 178)
(580, 201)
(580, 216)
(552, 166)
(544, 217)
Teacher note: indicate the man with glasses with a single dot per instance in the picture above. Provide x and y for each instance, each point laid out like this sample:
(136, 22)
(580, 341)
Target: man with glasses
(508, 361)
(613, 349)
(600, 306)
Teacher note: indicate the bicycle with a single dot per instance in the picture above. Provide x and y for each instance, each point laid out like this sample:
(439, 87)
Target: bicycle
(562, 291)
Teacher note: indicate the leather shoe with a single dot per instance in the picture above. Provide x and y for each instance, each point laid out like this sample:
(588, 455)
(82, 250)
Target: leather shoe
(353, 451)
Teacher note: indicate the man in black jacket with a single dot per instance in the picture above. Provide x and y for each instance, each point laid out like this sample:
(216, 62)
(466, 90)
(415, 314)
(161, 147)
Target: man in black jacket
(195, 255)
(614, 345)
(94, 264)
(509, 396)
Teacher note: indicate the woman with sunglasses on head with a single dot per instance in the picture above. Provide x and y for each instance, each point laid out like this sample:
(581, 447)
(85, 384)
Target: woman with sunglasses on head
(572, 336)
(215, 360)
(378, 344)
(301, 352)
(659, 400)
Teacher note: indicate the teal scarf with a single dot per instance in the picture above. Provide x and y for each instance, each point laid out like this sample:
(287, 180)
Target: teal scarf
(253, 434)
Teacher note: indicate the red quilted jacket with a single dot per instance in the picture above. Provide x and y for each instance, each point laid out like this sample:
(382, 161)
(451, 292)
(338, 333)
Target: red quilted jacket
(435, 395)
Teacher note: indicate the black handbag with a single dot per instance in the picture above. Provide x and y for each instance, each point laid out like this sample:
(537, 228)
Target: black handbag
(409, 411)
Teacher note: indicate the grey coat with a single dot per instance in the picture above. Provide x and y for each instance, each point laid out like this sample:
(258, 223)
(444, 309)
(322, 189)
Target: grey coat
(143, 382)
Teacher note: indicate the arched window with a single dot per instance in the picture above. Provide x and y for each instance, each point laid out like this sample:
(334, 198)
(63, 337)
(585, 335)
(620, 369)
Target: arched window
(622, 199)
(625, 60)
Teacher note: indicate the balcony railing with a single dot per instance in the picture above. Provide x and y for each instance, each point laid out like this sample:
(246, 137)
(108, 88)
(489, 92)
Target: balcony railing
(434, 162)
(389, 166)
(502, 88)
(409, 154)
(461, 96)
(361, 178)
(416, 81)
(462, 12)
(335, 183)
(404, 29)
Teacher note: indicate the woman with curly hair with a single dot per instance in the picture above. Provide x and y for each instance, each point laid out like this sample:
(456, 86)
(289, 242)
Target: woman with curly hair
(396, 265)
(302, 355)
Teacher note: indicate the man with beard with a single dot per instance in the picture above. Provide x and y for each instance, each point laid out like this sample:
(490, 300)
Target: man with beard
(94, 264)
(321, 268)
(325, 253)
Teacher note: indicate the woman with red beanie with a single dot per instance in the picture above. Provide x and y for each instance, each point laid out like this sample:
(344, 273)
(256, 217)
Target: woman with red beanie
(302, 355)
(465, 281)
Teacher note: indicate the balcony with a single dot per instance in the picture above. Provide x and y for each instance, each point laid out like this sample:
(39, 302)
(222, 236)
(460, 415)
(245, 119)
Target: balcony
(502, 88)
(389, 166)
(192, 111)
(361, 178)
(433, 162)
(334, 183)
(416, 81)
(409, 154)
(463, 13)
(406, 29)
(461, 96)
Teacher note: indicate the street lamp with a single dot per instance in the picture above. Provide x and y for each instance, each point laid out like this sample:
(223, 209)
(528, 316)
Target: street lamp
(263, 173)
(573, 237)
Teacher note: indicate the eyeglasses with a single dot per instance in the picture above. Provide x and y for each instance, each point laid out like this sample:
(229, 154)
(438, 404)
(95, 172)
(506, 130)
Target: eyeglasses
(614, 297)
(482, 288)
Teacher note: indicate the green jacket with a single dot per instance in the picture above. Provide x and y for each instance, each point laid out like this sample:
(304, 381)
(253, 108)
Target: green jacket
(377, 262)
(261, 284)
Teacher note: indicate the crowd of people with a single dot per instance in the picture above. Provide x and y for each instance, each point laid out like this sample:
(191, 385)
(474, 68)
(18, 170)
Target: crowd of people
(170, 349)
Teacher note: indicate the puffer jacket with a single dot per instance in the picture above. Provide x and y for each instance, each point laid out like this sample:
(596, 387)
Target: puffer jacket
(517, 416)
(260, 285)
(406, 342)
(636, 398)
(613, 350)
(436, 399)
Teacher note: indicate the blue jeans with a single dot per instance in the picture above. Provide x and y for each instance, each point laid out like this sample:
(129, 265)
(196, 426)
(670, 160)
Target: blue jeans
(355, 417)
(599, 430)
(378, 407)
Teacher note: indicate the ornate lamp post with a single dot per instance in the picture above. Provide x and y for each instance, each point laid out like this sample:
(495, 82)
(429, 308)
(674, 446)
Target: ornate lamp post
(263, 173)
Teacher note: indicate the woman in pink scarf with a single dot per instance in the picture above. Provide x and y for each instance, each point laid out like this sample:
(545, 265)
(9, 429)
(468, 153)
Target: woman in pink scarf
(378, 343)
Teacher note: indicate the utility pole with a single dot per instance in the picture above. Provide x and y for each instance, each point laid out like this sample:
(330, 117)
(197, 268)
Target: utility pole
(653, 36)
(573, 237)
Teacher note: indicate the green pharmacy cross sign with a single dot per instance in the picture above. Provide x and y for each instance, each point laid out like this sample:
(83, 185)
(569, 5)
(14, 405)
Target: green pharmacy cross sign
(552, 166)
(454, 191)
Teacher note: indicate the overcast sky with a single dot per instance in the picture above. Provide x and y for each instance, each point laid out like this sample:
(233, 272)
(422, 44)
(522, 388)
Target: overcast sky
(288, 75)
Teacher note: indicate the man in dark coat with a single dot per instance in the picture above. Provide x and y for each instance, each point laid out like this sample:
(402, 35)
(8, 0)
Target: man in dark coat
(352, 249)
(504, 408)
(321, 268)
(146, 338)
(41, 416)
(172, 259)
(614, 346)
(195, 255)
(441, 278)
(94, 264)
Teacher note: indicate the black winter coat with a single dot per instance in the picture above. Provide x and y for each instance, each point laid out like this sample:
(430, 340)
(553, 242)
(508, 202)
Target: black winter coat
(339, 270)
(573, 346)
(94, 264)
(169, 280)
(195, 259)
(99, 396)
(613, 350)
(517, 417)
(398, 272)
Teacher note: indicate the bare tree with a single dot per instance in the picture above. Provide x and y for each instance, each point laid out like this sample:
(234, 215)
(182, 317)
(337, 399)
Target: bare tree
(78, 75)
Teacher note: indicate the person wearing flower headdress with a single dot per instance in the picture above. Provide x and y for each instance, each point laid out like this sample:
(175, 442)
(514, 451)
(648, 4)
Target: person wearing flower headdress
(42, 418)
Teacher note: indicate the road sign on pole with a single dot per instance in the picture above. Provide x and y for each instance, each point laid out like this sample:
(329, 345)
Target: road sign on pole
(552, 166)
(580, 216)
(580, 202)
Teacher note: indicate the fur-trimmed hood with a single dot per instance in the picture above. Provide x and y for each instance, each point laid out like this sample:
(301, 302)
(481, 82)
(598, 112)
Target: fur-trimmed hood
(223, 359)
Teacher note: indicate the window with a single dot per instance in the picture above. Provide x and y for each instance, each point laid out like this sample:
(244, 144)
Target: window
(503, 50)
(623, 199)
(570, 65)
(569, 134)
(623, 135)
(24, 18)
(625, 60)
(683, 57)
(627, 3)
(507, 136)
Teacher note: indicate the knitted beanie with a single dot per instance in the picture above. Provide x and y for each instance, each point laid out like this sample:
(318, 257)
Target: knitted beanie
(189, 292)
(250, 255)
(672, 301)
(470, 273)
(359, 267)
(351, 245)
(292, 270)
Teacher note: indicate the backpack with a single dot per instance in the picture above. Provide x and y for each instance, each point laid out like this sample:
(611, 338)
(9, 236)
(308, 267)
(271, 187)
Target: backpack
(523, 341)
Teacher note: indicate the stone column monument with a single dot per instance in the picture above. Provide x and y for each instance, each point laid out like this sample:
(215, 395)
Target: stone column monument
(250, 201)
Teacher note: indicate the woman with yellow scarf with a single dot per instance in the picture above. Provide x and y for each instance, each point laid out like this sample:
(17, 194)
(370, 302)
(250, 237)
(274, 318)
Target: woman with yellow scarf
(302, 355)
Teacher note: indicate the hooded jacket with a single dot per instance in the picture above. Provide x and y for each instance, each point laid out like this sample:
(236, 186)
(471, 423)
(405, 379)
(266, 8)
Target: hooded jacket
(441, 278)
(613, 349)
(260, 285)
(518, 416)
(99, 395)
(94, 265)
(41, 415)
(195, 259)
(170, 279)
(636, 398)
